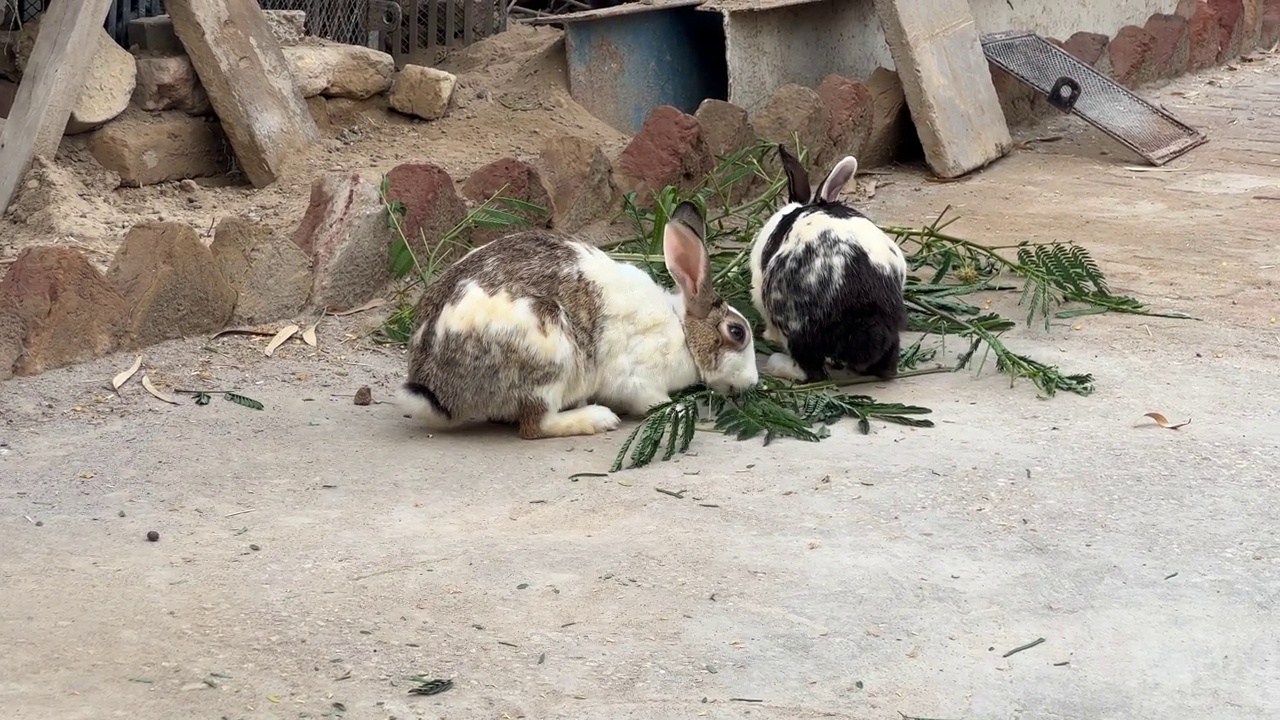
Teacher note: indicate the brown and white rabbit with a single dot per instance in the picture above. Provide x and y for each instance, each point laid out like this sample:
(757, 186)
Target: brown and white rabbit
(828, 282)
(556, 336)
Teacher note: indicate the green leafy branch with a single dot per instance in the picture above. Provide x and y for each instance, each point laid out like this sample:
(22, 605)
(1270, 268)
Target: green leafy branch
(772, 409)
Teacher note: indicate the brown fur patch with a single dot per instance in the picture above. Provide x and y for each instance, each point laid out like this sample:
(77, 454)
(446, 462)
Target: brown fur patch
(530, 417)
(706, 331)
(491, 376)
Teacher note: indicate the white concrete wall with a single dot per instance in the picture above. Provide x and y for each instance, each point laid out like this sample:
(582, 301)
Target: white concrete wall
(804, 43)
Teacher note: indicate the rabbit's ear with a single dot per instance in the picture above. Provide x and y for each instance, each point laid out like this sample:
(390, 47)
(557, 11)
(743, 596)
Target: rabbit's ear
(688, 262)
(833, 184)
(689, 214)
(797, 178)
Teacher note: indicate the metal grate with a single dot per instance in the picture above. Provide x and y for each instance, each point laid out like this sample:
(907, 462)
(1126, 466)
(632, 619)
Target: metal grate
(429, 26)
(1072, 85)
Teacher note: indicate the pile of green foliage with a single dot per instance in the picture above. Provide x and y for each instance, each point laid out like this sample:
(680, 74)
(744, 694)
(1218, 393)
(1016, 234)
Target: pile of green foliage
(944, 269)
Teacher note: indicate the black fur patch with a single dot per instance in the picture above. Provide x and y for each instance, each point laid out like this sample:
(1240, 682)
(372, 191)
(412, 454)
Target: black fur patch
(854, 318)
(427, 394)
(843, 212)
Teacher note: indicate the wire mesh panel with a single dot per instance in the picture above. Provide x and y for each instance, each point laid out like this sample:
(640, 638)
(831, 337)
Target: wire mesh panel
(411, 30)
(1098, 100)
(429, 26)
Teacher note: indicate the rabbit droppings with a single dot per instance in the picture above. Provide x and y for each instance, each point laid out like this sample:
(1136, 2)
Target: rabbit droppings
(828, 283)
(556, 336)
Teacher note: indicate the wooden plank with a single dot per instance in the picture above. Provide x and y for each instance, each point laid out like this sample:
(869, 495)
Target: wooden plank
(51, 84)
(248, 81)
(948, 87)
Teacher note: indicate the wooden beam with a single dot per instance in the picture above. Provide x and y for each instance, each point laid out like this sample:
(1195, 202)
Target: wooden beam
(51, 84)
(249, 83)
(944, 75)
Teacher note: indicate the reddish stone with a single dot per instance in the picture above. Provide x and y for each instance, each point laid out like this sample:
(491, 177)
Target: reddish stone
(580, 177)
(1269, 33)
(1230, 15)
(1202, 34)
(60, 309)
(432, 206)
(1172, 45)
(670, 149)
(1133, 56)
(345, 232)
(1091, 49)
(850, 111)
(512, 179)
(172, 283)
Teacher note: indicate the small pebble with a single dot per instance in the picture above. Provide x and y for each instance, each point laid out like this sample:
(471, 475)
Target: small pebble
(255, 548)
(120, 514)
(364, 395)
(39, 523)
(152, 535)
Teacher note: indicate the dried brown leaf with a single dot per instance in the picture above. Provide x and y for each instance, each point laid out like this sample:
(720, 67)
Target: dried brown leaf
(309, 335)
(124, 375)
(146, 383)
(285, 333)
(265, 330)
(374, 303)
(1163, 421)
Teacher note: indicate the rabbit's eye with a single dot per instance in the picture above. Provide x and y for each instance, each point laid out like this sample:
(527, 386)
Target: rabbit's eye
(738, 333)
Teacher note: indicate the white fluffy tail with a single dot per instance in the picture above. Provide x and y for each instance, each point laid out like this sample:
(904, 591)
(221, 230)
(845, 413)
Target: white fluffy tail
(420, 403)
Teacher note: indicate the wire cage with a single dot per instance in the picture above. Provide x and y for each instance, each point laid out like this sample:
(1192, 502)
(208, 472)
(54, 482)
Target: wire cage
(410, 30)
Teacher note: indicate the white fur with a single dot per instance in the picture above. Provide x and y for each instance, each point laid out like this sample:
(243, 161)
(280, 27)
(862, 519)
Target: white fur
(757, 269)
(884, 253)
(781, 365)
(417, 407)
(643, 355)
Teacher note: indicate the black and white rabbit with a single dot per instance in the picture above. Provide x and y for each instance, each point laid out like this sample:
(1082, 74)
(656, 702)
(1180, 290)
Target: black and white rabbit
(559, 338)
(828, 283)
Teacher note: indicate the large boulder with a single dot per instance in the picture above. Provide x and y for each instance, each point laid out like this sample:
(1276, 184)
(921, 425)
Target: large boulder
(169, 82)
(107, 86)
(796, 111)
(345, 233)
(337, 70)
(514, 179)
(151, 148)
(850, 112)
(1133, 56)
(270, 274)
(422, 92)
(1172, 50)
(60, 309)
(171, 282)
(432, 208)
(890, 119)
(670, 149)
(580, 178)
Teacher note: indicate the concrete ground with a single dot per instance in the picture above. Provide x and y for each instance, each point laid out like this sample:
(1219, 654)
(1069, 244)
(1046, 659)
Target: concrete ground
(313, 555)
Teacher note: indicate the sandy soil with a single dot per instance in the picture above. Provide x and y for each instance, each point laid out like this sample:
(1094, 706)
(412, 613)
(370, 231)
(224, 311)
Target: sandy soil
(512, 96)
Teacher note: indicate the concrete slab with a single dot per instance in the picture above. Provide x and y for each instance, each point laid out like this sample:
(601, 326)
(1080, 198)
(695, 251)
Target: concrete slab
(856, 578)
(944, 75)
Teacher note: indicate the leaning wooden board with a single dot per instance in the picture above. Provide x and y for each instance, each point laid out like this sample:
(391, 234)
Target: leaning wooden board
(249, 83)
(51, 84)
(944, 76)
